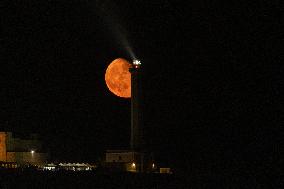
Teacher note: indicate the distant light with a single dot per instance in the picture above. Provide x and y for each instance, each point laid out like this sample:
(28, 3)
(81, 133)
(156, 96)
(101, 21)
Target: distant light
(153, 165)
(133, 165)
(49, 168)
(32, 151)
(137, 62)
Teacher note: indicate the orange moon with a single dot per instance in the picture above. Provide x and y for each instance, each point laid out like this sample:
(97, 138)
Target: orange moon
(118, 78)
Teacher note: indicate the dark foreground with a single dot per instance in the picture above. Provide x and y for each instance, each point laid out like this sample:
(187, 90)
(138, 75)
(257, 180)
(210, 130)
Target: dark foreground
(32, 179)
(68, 179)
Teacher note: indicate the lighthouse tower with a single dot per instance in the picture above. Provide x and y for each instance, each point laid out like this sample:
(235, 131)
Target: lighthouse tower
(136, 140)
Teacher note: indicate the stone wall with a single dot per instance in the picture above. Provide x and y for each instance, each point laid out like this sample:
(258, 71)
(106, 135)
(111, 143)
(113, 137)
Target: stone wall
(126, 157)
(27, 157)
(22, 145)
(21, 151)
(2, 146)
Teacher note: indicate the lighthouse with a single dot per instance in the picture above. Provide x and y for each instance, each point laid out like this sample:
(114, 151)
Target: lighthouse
(136, 138)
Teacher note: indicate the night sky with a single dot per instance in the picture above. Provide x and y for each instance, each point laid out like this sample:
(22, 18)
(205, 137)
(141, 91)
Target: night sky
(211, 79)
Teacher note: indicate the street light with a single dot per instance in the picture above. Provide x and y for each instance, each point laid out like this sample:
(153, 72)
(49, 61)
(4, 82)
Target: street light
(133, 165)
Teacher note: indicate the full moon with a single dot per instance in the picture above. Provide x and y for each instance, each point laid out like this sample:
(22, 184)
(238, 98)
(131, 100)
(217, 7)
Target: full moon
(118, 78)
